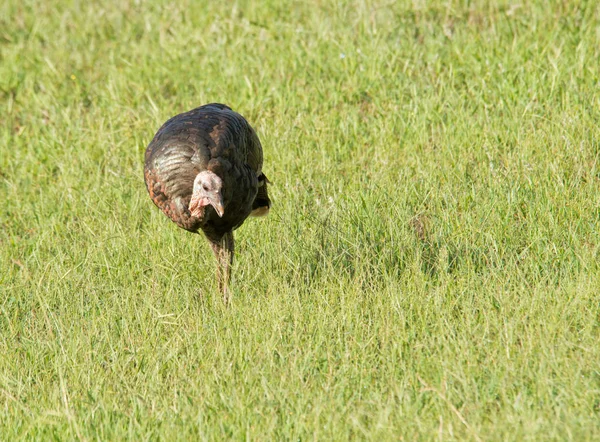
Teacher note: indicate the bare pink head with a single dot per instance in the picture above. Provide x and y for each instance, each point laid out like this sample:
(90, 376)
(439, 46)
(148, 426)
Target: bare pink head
(207, 192)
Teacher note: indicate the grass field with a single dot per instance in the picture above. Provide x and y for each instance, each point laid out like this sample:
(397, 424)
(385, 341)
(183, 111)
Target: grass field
(430, 267)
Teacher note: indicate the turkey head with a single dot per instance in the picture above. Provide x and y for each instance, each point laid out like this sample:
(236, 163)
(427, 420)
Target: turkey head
(207, 191)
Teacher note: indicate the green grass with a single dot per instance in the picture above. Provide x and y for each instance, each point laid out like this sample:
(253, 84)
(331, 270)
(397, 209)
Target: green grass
(430, 267)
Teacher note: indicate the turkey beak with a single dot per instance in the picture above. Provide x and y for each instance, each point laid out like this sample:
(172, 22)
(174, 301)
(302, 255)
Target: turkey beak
(217, 203)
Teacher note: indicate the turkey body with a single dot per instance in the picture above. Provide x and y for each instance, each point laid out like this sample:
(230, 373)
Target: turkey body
(216, 139)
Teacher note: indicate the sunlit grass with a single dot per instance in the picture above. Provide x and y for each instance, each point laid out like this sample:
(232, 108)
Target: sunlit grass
(429, 268)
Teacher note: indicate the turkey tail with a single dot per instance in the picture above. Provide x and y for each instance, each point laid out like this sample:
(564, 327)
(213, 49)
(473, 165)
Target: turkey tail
(262, 203)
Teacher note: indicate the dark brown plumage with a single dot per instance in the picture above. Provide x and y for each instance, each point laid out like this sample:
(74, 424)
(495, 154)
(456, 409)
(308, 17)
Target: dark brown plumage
(203, 169)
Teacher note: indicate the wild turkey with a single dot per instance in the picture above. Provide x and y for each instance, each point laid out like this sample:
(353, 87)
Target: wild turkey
(203, 169)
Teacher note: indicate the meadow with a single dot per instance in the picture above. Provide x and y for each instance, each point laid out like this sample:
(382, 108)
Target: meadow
(430, 266)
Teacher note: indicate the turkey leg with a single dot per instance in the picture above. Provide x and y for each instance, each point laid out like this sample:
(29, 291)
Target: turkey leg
(223, 250)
